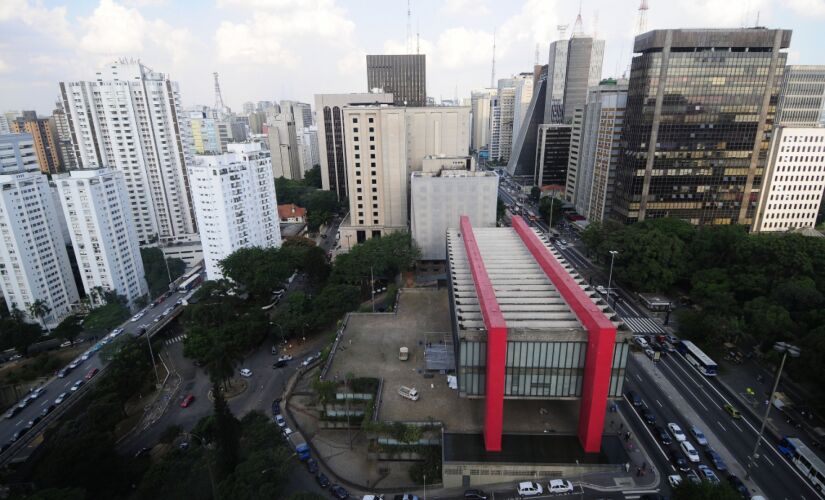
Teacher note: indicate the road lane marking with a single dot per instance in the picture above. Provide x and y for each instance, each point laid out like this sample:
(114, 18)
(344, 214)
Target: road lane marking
(18, 422)
(734, 424)
(659, 403)
(647, 429)
(769, 460)
(639, 377)
(722, 426)
(44, 402)
(687, 388)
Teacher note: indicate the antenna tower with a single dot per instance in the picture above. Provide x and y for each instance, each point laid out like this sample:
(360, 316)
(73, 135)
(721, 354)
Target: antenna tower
(409, 28)
(642, 25)
(417, 38)
(562, 30)
(218, 99)
(493, 72)
(577, 26)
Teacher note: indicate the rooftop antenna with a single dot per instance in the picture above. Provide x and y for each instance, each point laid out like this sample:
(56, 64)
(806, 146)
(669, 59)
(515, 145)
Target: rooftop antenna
(536, 61)
(757, 18)
(595, 24)
(562, 28)
(417, 38)
(409, 28)
(218, 98)
(641, 27)
(493, 72)
(577, 26)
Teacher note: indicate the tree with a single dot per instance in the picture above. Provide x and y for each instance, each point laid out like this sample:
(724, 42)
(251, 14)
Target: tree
(154, 267)
(39, 309)
(259, 270)
(227, 434)
(704, 491)
(535, 193)
(500, 208)
(312, 177)
(550, 210)
(68, 329)
(649, 260)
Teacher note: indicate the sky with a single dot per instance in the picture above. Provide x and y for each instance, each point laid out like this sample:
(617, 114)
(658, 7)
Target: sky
(293, 49)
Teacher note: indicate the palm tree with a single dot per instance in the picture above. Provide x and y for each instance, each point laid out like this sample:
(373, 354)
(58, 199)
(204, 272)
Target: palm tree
(39, 309)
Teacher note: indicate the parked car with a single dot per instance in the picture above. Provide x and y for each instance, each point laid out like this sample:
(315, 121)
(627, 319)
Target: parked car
(280, 420)
(676, 431)
(739, 486)
(732, 411)
(246, 372)
(529, 489)
(698, 435)
(279, 364)
(648, 416)
(716, 460)
(674, 480)
(663, 435)
(707, 473)
(679, 461)
(559, 486)
(323, 481)
(276, 406)
(689, 451)
(475, 495)
(693, 477)
(312, 466)
(634, 398)
(285, 358)
(187, 401)
(286, 431)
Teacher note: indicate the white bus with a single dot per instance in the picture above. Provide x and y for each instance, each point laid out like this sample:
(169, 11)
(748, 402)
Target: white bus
(697, 358)
(808, 462)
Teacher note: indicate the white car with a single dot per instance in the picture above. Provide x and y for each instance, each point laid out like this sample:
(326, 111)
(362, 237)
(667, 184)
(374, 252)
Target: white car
(529, 489)
(137, 316)
(280, 420)
(246, 372)
(641, 342)
(285, 357)
(85, 356)
(60, 398)
(674, 480)
(698, 435)
(676, 432)
(602, 290)
(286, 431)
(559, 486)
(689, 451)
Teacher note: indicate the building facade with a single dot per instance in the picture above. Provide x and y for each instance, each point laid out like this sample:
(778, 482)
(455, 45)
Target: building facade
(524, 84)
(96, 206)
(44, 136)
(480, 106)
(552, 151)
(584, 70)
(283, 145)
(794, 180)
(34, 263)
(802, 101)
(402, 75)
(695, 143)
(130, 119)
(64, 138)
(235, 203)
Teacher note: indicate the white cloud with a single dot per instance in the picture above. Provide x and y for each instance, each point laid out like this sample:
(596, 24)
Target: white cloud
(807, 7)
(464, 8)
(4, 67)
(51, 22)
(113, 29)
(458, 47)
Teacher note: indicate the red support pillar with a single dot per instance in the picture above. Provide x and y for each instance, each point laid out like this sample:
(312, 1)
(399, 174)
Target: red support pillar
(601, 339)
(496, 340)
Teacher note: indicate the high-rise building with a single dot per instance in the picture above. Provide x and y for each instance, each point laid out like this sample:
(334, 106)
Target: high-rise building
(480, 106)
(64, 138)
(553, 147)
(331, 134)
(248, 107)
(522, 96)
(402, 75)
(495, 128)
(34, 263)
(594, 149)
(302, 116)
(235, 203)
(44, 134)
(309, 146)
(209, 134)
(505, 103)
(130, 119)
(283, 143)
(802, 100)
(384, 145)
(5, 127)
(556, 70)
(695, 144)
(574, 66)
(96, 206)
(794, 180)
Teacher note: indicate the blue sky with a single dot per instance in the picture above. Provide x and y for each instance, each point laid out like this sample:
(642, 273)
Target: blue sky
(292, 49)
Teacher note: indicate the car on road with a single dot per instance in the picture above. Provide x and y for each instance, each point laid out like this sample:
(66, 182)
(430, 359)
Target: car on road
(732, 411)
(640, 341)
(86, 355)
(63, 372)
(276, 407)
(689, 451)
(285, 358)
(280, 420)
(74, 364)
(60, 398)
(279, 364)
(529, 489)
(634, 398)
(716, 460)
(91, 373)
(674, 480)
(286, 431)
(312, 466)
(167, 311)
(405, 496)
(137, 316)
(676, 432)
(559, 486)
(663, 435)
(246, 372)
(323, 480)
(698, 435)
(475, 495)
(17, 435)
(142, 452)
(739, 486)
(14, 410)
(47, 410)
(648, 416)
(707, 473)
(76, 386)
(187, 401)
(693, 477)
(34, 421)
(650, 353)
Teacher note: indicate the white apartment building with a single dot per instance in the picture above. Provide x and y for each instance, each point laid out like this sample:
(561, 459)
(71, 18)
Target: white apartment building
(309, 148)
(96, 206)
(795, 180)
(480, 106)
(130, 119)
(283, 144)
(524, 84)
(234, 195)
(384, 144)
(34, 264)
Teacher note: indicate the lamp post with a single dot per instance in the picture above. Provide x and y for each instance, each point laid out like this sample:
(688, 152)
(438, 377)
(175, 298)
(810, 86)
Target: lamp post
(349, 245)
(425, 487)
(786, 350)
(610, 275)
(209, 466)
(152, 355)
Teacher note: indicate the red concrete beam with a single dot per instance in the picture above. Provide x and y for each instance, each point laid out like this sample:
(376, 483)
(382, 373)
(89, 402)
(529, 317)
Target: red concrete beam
(496, 339)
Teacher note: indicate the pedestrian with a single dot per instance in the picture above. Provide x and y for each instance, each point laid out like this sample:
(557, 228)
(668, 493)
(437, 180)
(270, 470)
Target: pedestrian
(638, 471)
(627, 467)
(621, 425)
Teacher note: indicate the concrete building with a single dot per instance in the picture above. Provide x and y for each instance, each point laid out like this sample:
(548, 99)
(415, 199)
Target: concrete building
(506, 112)
(594, 149)
(309, 147)
(283, 144)
(302, 117)
(584, 70)
(524, 84)
(384, 144)
(402, 75)
(494, 151)
(235, 203)
(65, 149)
(292, 214)
(794, 181)
(96, 205)
(44, 135)
(552, 155)
(802, 100)
(480, 106)
(210, 135)
(332, 133)
(526, 326)
(34, 263)
(695, 155)
(130, 119)
(439, 198)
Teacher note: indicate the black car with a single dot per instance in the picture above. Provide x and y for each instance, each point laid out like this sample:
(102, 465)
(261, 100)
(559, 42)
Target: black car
(323, 481)
(663, 435)
(339, 492)
(17, 435)
(648, 416)
(678, 460)
(312, 466)
(634, 398)
(716, 460)
(279, 364)
(475, 495)
(276, 407)
(739, 486)
(47, 410)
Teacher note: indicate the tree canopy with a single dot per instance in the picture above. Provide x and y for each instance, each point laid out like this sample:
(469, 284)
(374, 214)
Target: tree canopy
(155, 270)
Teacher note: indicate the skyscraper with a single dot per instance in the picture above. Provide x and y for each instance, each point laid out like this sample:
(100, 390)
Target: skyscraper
(130, 119)
(283, 143)
(802, 101)
(700, 110)
(480, 107)
(34, 263)
(524, 84)
(402, 75)
(44, 135)
(553, 147)
(64, 138)
(235, 202)
(96, 206)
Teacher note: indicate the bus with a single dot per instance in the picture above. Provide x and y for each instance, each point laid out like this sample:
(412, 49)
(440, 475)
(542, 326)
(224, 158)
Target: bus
(195, 271)
(808, 462)
(697, 358)
(190, 283)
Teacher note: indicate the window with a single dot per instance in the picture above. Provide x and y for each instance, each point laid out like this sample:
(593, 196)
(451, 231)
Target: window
(355, 120)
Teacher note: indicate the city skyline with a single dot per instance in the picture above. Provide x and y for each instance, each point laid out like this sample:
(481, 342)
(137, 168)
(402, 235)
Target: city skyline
(268, 50)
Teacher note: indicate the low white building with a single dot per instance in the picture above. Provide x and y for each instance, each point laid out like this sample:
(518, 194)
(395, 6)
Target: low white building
(440, 198)
(235, 204)
(794, 180)
(96, 206)
(34, 264)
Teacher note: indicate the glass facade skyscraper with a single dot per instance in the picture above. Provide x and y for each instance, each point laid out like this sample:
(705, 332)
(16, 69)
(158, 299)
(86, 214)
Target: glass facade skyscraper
(700, 113)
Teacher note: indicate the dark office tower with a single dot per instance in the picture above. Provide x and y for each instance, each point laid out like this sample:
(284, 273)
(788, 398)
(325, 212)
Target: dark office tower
(552, 149)
(700, 113)
(402, 75)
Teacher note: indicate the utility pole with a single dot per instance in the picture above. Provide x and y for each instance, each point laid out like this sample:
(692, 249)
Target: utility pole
(610, 276)
(372, 289)
(152, 355)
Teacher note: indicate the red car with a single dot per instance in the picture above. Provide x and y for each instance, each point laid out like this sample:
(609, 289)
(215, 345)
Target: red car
(187, 401)
(91, 373)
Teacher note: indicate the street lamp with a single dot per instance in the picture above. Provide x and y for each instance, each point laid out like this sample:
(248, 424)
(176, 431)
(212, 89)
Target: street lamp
(425, 487)
(610, 276)
(349, 245)
(786, 350)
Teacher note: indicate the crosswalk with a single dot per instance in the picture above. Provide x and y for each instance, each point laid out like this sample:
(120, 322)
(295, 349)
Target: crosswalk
(174, 340)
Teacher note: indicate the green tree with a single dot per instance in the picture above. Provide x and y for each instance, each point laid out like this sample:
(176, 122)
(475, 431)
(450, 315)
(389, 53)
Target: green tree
(649, 260)
(704, 491)
(535, 193)
(155, 270)
(68, 329)
(312, 177)
(259, 270)
(382, 257)
(501, 208)
(39, 309)
(227, 434)
(550, 210)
